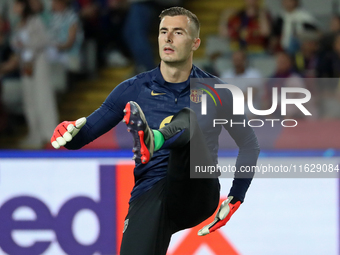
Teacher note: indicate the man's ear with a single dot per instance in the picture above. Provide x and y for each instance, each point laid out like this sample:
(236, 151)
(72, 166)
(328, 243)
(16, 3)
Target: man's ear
(196, 44)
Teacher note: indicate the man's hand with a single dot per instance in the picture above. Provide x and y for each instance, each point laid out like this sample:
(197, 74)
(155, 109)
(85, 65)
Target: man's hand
(222, 217)
(65, 131)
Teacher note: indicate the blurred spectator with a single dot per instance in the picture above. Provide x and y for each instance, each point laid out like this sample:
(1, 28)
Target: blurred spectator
(39, 8)
(114, 50)
(291, 23)
(241, 68)
(139, 20)
(329, 66)
(8, 68)
(244, 77)
(247, 29)
(8, 61)
(4, 9)
(328, 86)
(285, 76)
(6, 12)
(306, 59)
(30, 41)
(88, 11)
(327, 40)
(67, 35)
(284, 66)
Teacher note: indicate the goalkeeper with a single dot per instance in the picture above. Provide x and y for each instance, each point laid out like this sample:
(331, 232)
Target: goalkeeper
(165, 199)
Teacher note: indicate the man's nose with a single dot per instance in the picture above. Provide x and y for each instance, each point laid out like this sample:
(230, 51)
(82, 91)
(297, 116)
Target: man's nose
(168, 39)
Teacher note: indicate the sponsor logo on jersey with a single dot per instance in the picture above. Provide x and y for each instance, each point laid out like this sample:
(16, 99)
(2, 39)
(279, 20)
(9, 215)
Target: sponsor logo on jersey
(156, 94)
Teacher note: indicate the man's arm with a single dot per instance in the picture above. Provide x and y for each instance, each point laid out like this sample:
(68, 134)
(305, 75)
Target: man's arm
(72, 34)
(10, 65)
(107, 116)
(248, 153)
(249, 149)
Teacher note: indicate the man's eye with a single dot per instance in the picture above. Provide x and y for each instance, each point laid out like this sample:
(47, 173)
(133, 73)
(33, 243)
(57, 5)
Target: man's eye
(163, 32)
(179, 33)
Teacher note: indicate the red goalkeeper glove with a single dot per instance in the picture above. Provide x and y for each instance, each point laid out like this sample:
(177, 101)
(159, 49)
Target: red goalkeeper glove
(65, 131)
(223, 215)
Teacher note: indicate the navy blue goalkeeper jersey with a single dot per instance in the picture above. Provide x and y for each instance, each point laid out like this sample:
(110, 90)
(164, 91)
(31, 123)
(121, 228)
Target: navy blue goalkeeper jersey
(160, 100)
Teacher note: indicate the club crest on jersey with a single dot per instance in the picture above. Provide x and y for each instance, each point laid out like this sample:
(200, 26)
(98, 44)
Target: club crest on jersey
(196, 95)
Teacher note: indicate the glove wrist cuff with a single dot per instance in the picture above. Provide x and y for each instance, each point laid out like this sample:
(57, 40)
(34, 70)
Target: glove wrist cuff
(234, 200)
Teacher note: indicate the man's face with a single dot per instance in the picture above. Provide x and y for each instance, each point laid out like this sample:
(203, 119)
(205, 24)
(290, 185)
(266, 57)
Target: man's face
(289, 5)
(283, 63)
(252, 3)
(239, 60)
(36, 5)
(177, 39)
(18, 8)
(335, 24)
(58, 5)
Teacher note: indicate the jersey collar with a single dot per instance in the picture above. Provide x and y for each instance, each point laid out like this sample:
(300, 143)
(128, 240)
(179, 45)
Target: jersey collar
(158, 77)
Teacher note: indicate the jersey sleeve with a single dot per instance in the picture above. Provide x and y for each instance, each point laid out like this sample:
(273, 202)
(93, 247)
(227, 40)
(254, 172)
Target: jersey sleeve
(107, 116)
(245, 139)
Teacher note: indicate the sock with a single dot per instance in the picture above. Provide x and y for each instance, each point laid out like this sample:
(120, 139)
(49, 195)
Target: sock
(159, 139)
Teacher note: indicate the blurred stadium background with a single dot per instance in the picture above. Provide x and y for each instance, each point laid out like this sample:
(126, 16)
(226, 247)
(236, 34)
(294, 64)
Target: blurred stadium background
(74, 202)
